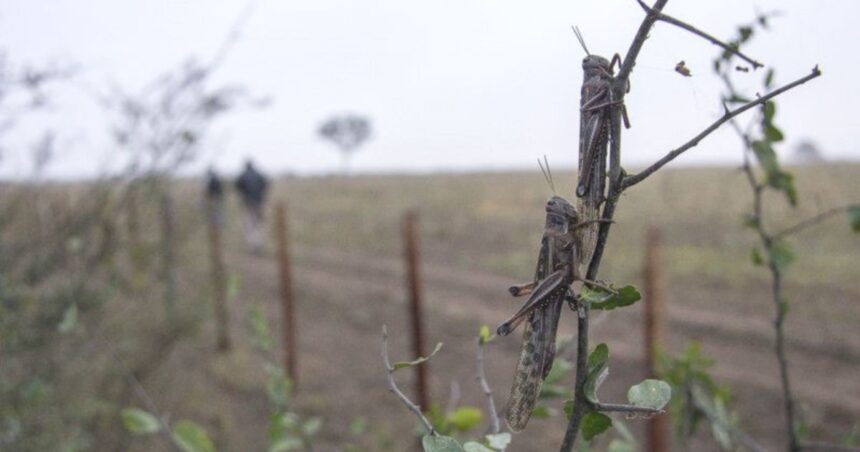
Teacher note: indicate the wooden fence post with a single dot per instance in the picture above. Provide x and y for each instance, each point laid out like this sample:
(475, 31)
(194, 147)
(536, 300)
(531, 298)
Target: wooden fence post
(413, 280)
(658, 427)
(168, 260)
(289, 324)
(215, 221)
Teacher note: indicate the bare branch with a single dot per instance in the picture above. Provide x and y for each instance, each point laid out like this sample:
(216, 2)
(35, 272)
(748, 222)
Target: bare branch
(811, 221)
(392, 386)
(630, 181)
(638, 41)
(485, 387)
(678, 23)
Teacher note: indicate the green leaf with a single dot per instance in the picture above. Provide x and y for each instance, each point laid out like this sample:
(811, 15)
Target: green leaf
(619, 445)
(769, 111)
(419, 360)
(602, 299)
(766, 156)
(756, 257)
(854, 217)
(281, 424)
(781, 255)
(751, 221)
(139, 422)
(560, 368)
(70, 319)
(441, 444)
(484, 335)
(499, 441)
(473, 446)
(745, 32)
(358, 426)
(773, 134)
(286, 444)
(768, 78)
(595, 423)
(784, 181)
(650, 393)
(568, 408)
(465, 418)
(597, 371)
(541, 412)
(259, 327)
(312, 426)
(190, 437)
(279, 387)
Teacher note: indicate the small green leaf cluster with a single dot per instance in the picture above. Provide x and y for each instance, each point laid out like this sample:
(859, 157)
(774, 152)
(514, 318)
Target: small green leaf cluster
(770, 134)
(607, 299)
(699, 398)
(490, 443)
(652, 394)
(461, 419)
(185, 434)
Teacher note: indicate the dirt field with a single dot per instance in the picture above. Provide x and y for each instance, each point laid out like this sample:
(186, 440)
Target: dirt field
(480, 234)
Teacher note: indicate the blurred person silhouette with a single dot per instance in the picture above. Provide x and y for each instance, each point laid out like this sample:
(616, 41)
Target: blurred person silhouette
(214, 197)
(252, 188)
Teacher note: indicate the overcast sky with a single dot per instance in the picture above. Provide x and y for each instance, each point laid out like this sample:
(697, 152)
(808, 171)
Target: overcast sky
(449, 85)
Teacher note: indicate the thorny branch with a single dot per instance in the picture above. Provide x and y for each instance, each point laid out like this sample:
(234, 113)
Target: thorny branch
(618, 182)
(768, 240)
(811, 221)
(485, 387)
(681, 24)
(392, 386)
(629, 181)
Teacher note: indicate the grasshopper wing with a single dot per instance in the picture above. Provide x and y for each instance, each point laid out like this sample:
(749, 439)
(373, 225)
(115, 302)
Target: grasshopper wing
(536, 358)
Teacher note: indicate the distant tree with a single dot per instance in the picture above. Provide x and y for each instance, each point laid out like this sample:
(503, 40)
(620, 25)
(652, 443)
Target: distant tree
(807, 152)
(347, 132)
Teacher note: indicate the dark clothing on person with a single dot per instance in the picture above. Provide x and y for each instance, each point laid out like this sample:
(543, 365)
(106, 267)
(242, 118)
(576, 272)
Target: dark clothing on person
(252, 186)
(214, 186)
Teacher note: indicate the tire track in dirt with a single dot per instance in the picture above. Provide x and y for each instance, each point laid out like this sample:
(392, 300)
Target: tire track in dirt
(741, 345)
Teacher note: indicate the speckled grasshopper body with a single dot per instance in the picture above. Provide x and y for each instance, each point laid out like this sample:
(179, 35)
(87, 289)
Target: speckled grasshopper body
(557, 269)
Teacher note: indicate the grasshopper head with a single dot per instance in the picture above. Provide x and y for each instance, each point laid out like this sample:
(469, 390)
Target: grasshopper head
(594, 65)
(560, 215)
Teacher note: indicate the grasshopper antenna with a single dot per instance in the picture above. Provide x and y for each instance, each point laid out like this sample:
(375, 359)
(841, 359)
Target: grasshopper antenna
(546, 173)
(580, 39)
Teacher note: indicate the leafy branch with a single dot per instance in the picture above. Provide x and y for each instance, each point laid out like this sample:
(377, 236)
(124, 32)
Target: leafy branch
(618, 182)
(778, 254)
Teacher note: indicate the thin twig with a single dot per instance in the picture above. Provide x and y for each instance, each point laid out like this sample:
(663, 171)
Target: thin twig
(678, 23)
(630, 181)
(392, 386)
(811, 221)
(485, 387)
(139, 390)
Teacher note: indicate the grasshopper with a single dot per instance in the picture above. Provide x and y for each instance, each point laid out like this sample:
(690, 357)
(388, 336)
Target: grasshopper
(594, 136)
(557, 269)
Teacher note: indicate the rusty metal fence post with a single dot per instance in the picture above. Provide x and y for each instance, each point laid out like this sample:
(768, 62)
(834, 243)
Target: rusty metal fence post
(215, 220)
(658, 427)
(413, 281)
(287, 301)
(168, 258)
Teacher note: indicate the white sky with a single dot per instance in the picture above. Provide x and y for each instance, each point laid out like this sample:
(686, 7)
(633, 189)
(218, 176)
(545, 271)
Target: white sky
(450, 85)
